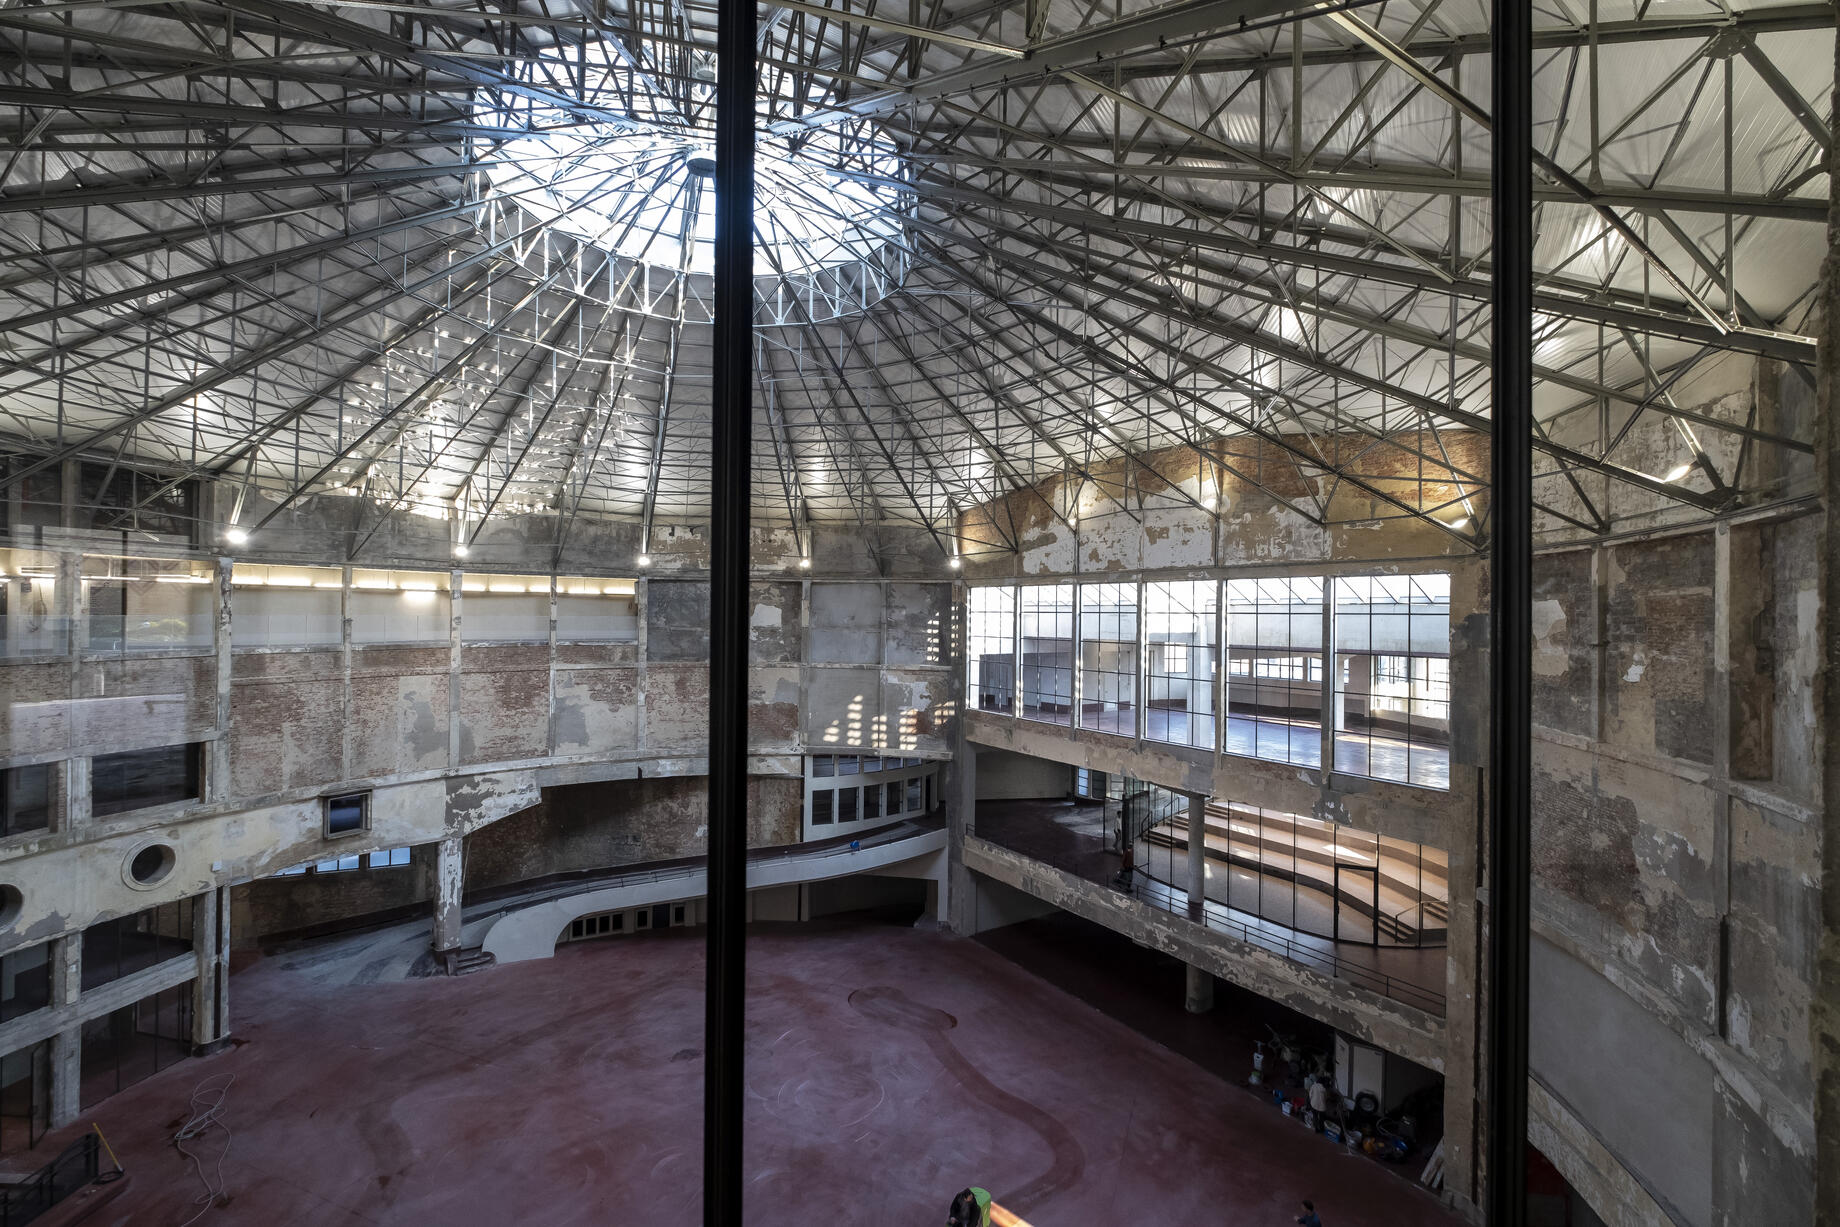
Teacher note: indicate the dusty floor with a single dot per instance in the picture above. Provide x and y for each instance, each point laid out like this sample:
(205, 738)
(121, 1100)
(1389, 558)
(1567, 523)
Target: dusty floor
(887, 1068)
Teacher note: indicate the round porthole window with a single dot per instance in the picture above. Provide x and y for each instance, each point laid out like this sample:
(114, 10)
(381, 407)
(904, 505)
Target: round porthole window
(149, 865)
(11, 901)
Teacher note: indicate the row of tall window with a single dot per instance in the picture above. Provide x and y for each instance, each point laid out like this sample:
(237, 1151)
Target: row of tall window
(845, 792)
(385, 859)
(1142, 660)
(138, 605)
(129, 780)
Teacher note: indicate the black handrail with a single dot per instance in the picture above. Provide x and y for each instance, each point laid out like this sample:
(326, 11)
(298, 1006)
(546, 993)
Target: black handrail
(75, 1168)
(1155, 893)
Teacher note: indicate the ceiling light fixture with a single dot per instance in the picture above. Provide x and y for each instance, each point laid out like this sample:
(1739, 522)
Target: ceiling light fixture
(236, 536)
(461, 550)
(645, 560)
(805, 564)
(955, 563)
(1678, 471)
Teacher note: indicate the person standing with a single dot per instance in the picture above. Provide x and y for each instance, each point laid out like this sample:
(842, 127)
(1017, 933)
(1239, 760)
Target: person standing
(971, 1208)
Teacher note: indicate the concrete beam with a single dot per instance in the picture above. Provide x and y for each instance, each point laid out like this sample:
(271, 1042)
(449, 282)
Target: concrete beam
(1400, 1029)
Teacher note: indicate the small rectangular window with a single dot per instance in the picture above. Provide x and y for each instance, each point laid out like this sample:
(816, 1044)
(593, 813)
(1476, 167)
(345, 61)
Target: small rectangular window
(140, 779)
(821, 808)
(913, 795)
(872, 801)
(848, 764)
(348, 814)
(823, 765)
(895, 793)
(389, 857)
(25, 799)
(846, 804)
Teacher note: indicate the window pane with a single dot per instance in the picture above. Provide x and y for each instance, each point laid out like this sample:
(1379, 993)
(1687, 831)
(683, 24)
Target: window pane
(1274, 680)
(1179, 639)
(990, 648)
(821, 808)
(1047, 652)
(138, 779)
(1108, 658)
(1392, 699)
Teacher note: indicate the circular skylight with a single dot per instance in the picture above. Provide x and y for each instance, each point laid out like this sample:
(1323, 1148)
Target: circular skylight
(629, 171)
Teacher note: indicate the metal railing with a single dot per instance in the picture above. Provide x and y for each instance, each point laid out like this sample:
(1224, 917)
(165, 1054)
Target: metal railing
(1158, 894)
(518, 895)
(76, 1168)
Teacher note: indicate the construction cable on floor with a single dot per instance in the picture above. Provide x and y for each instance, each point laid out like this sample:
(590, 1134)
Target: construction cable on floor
(207, 1115)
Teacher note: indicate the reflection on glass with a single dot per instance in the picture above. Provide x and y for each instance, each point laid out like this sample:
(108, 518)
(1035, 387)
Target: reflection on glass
(1108, 658)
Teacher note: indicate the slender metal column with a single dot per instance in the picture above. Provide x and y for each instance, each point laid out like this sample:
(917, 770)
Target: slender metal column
(732, 415)
(1510, 713)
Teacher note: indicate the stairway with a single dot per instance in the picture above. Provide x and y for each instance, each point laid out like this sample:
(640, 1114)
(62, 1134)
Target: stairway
(1434, 914)
(466, 960)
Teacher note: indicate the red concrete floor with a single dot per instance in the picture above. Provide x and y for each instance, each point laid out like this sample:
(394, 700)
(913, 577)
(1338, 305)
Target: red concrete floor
(887, 1068)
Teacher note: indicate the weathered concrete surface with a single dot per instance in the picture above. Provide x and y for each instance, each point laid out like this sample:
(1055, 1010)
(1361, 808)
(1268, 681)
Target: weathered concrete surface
(1825, 1017)
(1676, 855)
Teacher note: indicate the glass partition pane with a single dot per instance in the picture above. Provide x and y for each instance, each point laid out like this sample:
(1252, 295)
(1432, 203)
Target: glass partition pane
(1274, 669)
(1392, 687)
(1179, 650)
(990, 649)
(1108, 658)
(1047, 652)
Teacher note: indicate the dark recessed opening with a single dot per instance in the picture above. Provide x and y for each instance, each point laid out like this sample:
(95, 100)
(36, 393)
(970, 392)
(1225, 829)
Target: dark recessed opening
(345, 815)
(151, 864)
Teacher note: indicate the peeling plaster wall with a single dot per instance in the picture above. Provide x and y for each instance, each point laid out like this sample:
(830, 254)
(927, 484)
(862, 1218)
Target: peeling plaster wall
(622, 822)
(1676, 863)
(453, 737)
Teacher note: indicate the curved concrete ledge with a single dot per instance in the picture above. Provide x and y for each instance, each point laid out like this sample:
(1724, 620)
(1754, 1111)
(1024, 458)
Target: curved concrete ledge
(528, 929)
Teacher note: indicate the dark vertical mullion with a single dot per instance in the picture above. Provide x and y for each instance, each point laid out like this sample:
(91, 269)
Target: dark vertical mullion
(1509, 616)
(731, 450)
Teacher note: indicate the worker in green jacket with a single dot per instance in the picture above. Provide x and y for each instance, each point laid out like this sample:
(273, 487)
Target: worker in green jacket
(970, 1208)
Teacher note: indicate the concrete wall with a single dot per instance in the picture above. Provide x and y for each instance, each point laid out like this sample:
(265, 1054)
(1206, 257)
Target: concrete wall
(1676, 853)
(450, 736)
(1006, 776)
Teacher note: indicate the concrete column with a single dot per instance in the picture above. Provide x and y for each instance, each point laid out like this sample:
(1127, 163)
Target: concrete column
(449, 878)
(66, 968)
(961, 818)
(211, 989)
(1197, 853)
(217, 782)
(1199, 998)
(348, 745)
(1826, 988)
(75, 808)
(549, 736)
(455, 612)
